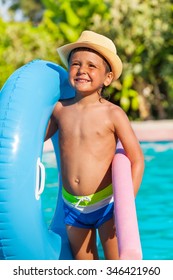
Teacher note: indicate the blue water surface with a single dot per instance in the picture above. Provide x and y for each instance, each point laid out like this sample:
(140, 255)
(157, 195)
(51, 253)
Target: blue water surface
(154, 202)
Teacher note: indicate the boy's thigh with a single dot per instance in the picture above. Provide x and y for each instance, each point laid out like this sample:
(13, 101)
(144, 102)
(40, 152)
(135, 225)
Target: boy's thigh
(107, 233)
(82, 242)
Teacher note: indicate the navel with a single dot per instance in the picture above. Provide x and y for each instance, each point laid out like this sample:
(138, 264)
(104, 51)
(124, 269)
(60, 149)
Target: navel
(77, 181)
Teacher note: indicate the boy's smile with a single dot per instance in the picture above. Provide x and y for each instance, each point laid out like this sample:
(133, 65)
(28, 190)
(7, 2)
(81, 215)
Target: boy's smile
(82, 80)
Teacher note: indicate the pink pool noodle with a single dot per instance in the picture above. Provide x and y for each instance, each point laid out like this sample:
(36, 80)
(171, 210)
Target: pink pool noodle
(125, 210)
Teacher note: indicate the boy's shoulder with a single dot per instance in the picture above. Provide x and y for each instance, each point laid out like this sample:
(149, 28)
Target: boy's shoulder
(113, 106)
(115, 110)
(63, 103)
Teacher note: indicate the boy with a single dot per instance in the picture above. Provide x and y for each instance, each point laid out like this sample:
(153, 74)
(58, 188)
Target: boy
(89, 127)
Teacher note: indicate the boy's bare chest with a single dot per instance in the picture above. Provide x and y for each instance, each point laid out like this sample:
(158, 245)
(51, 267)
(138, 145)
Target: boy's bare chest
(86, 124)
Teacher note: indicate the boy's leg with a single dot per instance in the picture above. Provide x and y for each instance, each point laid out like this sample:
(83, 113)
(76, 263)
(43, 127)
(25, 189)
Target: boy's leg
(83, 243)
(109, 240)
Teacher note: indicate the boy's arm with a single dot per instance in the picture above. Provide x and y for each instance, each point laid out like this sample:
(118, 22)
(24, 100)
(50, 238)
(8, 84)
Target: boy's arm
(51, 128)
(131, 146)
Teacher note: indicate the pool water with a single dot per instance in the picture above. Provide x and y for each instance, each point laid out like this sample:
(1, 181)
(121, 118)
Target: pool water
(154, 202)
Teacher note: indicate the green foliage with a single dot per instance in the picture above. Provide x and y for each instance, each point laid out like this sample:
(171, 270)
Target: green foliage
(74, 16)
(21, 43)
(141, 30)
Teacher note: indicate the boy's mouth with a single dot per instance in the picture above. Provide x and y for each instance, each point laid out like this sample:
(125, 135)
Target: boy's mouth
(82, 80)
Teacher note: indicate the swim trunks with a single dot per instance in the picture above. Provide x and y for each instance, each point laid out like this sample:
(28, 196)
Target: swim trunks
(88, 211)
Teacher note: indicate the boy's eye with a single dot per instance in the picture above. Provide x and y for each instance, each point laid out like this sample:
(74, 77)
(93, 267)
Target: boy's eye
(75, 63)
(92, 65)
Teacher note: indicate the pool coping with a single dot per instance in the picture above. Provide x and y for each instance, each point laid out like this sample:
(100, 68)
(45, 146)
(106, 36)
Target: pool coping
(153, 131)
(149, 131)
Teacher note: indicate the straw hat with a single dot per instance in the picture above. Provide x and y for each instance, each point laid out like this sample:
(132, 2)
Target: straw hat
(99, 43)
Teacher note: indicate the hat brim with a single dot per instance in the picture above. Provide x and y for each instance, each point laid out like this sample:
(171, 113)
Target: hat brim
(112, 58)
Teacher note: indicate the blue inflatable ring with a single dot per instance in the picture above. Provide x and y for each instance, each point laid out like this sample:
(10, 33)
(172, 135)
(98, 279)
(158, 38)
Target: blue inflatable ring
(27, 100)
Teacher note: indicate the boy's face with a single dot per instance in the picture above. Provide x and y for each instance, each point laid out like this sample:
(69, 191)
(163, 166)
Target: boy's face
(87, 72)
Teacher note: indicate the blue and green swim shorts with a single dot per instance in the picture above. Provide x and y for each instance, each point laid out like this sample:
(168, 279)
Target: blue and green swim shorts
(88, 211)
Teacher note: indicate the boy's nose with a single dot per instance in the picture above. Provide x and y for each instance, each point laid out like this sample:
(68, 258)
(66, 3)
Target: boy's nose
(82, 69)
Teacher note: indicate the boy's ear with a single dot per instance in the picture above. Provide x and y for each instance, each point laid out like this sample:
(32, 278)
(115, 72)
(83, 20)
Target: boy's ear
(108, 79)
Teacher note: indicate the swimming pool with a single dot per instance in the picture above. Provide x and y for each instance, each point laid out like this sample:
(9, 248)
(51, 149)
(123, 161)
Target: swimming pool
(154, 201)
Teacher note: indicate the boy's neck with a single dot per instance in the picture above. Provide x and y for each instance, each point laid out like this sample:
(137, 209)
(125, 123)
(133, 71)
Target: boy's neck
(88, 99)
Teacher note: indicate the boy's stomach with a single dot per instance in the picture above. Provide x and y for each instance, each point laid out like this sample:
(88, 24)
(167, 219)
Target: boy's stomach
(85, 176)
